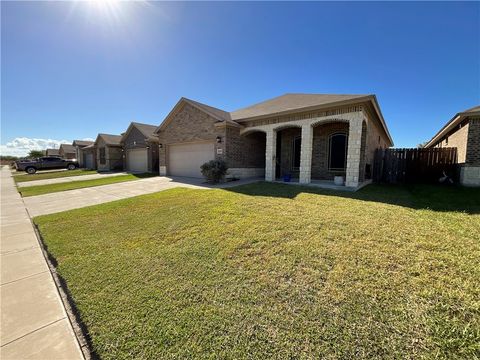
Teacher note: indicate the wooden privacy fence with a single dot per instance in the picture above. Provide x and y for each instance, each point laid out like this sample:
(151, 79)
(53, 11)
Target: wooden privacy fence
(414, 165)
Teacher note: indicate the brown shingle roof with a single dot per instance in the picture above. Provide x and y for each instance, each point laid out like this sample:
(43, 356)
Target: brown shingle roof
(82, 142)
(472, 110)
(217, 113)
(145, 129)
(289, 102)
(53, 152)
(67, 148)
(110, 139)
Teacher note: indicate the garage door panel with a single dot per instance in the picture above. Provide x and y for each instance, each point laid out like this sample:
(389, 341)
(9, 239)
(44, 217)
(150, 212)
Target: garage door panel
(186, 159)
(89, 161)
(137, 160)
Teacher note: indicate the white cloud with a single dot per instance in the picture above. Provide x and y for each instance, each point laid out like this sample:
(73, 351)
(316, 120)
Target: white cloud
(21, 146)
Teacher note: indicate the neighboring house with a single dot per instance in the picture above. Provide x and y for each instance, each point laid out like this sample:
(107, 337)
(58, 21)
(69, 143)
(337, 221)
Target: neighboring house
(308, 136)
(140, 146)
(89, 155)
(78, 145)
(67, 151)
(52, 152)
(109, 152)
(463, 132)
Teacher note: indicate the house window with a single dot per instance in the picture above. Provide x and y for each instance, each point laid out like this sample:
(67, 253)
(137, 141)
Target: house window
(296, 150)
(337, 152)
(102, 156)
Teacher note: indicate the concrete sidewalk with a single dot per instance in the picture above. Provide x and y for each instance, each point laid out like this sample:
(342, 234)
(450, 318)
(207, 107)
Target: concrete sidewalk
(34, 323)
(74, 199)
(69, 179)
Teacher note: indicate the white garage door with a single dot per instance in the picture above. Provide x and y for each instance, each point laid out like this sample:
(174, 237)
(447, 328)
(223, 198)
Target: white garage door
(89, 161)
(137, 160)
(186, 159)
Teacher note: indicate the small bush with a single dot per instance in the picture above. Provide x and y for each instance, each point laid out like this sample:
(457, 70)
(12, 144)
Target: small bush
(214, 170)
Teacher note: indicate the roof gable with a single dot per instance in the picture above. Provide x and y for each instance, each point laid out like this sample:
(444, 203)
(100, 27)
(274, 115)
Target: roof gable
(217, 114)
(82, 142)
(147, 130)
(67, 148)
(452, 123)
(109, 139)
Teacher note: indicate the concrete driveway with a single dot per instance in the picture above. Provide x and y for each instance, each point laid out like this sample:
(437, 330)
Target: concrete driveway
(74, 199)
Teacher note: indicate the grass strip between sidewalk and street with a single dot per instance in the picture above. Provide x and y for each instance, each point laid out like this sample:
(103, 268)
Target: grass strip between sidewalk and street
(52, 175)
(51, 188)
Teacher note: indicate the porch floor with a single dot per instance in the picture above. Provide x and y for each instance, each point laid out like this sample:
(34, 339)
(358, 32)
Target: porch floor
(325, 184)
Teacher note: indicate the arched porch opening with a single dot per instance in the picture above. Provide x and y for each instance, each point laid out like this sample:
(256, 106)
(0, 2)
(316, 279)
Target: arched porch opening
(247, 154)
(288, 152)
(329, 150)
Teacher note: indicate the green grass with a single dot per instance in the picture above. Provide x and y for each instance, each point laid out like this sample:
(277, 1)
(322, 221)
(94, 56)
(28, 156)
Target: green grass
(276, 271)
(51, 188)
(52, 175)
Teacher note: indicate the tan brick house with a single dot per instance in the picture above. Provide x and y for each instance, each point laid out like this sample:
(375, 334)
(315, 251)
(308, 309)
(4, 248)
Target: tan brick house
(463, 132)
(67, 151)
(89, 155)
(140, 148)
(78, 145)
(108, 151)
(312, 137)
(52, 152)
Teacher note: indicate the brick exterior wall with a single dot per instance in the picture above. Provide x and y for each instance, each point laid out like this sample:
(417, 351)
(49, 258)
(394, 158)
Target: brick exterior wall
(136, 140)
(247, 151)
(473, 143)
(67, 155)
(113, 157)
(320, 150)
(375, 139)
(457, 139)
(190, 125)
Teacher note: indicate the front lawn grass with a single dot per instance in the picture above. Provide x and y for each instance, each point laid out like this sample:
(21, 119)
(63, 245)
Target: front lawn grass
(52, 175)
(276, 271)
(51, 188)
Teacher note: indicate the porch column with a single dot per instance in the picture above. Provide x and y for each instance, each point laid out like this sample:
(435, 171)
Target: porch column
(353, 152)
(270, 154)
(306, 154)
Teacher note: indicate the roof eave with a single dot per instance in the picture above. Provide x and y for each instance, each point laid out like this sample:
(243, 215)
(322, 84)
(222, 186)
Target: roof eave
(445, 129)
(304, 109)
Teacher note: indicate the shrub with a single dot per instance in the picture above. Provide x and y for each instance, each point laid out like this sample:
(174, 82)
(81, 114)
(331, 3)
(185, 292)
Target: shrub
(214, 170)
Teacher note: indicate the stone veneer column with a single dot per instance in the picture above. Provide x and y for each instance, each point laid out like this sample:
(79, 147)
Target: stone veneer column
(353, 152)
(306, 154)
(270, 153)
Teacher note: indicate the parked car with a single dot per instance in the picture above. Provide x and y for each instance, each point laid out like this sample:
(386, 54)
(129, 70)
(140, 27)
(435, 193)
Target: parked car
(45, 163)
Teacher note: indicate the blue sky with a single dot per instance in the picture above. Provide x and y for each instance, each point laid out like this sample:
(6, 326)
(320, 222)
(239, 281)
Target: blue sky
(73, 69)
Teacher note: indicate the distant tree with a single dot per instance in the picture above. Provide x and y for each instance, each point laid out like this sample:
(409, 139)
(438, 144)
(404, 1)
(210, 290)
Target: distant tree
(9, 157)
(35, 153)
(422, 145)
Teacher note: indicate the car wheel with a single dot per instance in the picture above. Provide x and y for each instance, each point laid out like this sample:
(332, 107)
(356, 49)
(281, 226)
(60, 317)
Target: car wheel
(71, 166)
(31, 170)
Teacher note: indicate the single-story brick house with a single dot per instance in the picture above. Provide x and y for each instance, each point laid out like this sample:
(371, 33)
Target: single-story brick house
(78, 145)
(308, 136)
(67, 151)
(52, 152)
(109, 152)
(463, 132)
(140, 147)
(89, 155)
